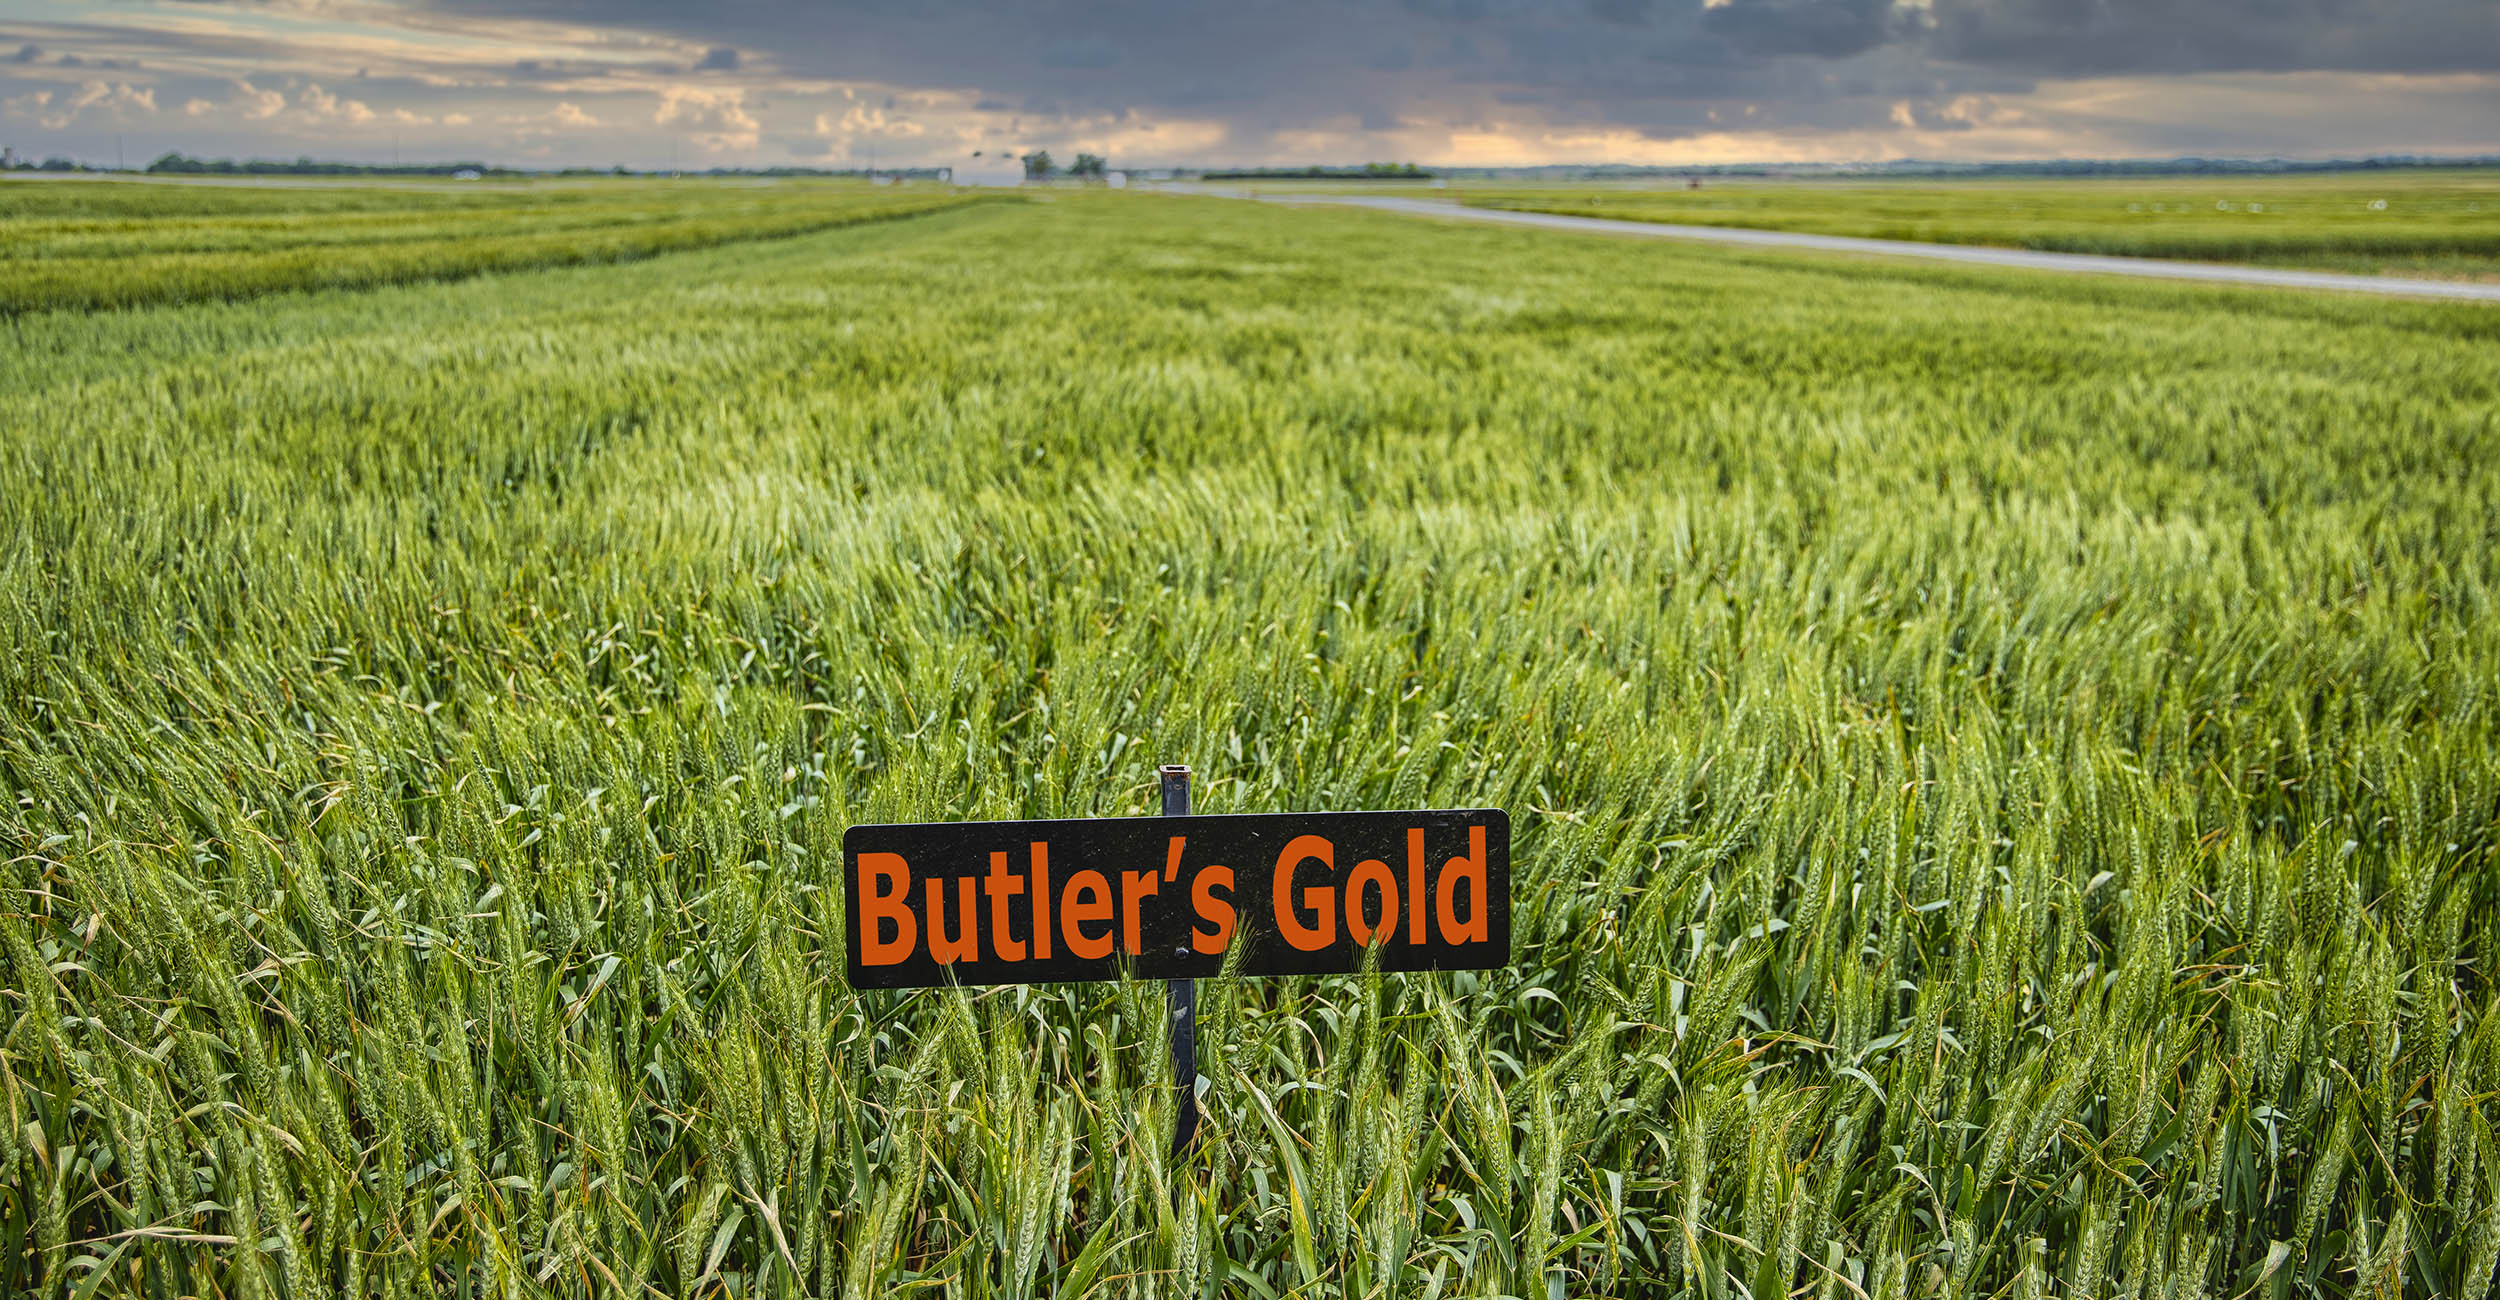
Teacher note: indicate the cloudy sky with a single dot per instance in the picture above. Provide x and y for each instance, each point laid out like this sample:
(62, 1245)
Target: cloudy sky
(903, 82)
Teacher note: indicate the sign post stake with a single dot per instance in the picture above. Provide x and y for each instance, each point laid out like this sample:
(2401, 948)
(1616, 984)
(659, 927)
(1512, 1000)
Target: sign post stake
(1182, 997)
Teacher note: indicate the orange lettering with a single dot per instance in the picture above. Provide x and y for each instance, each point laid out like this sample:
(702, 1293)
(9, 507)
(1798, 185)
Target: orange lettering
(878, 908)
(1415, 885)
(1210, 908)
(965, 943)
(1002, 886)
(1319, 898)
(1041, 901)
(1469, 868)
(1135, 887)
(1074, 913)
(1374, 873)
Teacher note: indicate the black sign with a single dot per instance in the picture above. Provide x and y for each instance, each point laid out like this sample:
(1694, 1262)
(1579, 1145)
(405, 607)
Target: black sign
(1165, 897)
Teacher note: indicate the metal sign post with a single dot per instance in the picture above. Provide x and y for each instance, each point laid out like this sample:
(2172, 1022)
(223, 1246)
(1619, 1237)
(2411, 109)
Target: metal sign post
(1181, 995)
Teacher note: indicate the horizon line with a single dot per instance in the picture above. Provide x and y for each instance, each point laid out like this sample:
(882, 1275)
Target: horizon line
(1352, 170)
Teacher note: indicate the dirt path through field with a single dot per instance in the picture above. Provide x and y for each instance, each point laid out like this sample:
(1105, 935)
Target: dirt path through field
(2153, 268)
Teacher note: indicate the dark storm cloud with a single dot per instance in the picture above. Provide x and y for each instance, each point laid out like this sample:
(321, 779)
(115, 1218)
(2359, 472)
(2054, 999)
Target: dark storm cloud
(555, 69)
(1287, 80)
(2105, 37)
(1828, 29)
(1306, 63)
(1626, 13)
(1085, 52)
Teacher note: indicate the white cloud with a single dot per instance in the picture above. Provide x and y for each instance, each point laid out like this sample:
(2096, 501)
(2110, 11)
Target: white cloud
(322, 106)
(718, 118)
(536, 127)
(864, 119)
(198, 108)
(117, 99)
(259, 105)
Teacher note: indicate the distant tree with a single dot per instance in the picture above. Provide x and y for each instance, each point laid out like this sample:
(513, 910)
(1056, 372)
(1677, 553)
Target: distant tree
(1038, 166)
(1088, 167)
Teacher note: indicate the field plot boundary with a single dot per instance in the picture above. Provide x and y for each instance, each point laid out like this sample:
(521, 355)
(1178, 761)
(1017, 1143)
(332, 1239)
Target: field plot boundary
(145, 277)
(2023, 259)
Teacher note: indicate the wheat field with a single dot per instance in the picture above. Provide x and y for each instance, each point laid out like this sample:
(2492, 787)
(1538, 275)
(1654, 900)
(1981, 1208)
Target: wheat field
(2005, 769)
(122, 244)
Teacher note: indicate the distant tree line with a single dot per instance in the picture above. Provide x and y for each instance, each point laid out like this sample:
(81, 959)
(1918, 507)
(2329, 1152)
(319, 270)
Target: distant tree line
(1928, 169)
(1039, 166)
(2180, 166)
(836, 173)
(179, 164)
(1366, 172)
(56, 163)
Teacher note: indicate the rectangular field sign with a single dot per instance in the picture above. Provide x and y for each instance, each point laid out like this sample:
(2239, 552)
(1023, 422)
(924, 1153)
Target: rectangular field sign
(1164, 897)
